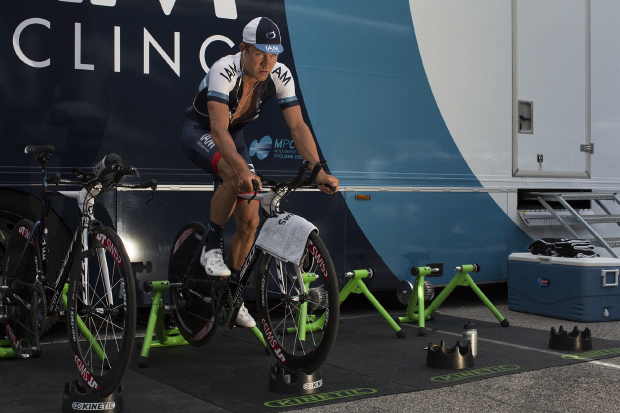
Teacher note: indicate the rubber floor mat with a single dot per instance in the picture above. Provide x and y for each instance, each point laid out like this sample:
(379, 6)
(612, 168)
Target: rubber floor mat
(231, 373)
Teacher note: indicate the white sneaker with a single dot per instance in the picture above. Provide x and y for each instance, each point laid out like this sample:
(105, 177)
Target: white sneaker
(213, 262)
(244, 319)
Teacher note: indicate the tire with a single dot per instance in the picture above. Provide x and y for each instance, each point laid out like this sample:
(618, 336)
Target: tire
(194, 318)
(277, 309)
(7, 223)
(112, 324)
(20, 326)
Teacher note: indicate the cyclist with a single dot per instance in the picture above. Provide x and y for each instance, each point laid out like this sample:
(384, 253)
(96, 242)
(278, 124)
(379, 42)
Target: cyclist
(229, 97)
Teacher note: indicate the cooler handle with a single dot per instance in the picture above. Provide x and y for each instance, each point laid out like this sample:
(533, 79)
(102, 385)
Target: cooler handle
(604, 274)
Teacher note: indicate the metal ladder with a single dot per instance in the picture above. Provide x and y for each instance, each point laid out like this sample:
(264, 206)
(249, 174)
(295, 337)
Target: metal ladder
(585, 220)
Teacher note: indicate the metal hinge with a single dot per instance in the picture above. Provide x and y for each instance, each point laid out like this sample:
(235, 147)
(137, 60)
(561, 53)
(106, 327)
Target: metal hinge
(587, 147)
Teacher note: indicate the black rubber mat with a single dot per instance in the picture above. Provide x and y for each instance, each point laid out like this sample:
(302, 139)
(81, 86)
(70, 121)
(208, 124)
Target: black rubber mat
(231, 373)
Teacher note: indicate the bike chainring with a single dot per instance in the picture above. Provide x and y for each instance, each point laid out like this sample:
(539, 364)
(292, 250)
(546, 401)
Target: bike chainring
(38, 310)
(221, 302)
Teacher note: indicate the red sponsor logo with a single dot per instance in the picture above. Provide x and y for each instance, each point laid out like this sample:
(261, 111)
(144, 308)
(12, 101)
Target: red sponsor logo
(319, 260)
(86, 376)
(107, 242)
(203, 333)
(272, 341)
(11, 335)
(185, 235)
(26, 233)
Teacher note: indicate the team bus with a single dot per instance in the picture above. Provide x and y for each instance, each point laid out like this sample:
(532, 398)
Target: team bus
(442, 119)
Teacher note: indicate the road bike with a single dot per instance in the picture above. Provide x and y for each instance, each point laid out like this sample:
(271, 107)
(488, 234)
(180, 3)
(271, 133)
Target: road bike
(288, 293)
(94, 285)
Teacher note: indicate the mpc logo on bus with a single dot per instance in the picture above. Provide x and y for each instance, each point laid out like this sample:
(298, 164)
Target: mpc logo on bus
(261, 149)
(282, 148)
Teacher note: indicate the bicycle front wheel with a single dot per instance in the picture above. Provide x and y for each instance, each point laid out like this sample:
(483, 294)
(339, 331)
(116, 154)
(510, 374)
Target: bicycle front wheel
(101, 312)
(299, 323)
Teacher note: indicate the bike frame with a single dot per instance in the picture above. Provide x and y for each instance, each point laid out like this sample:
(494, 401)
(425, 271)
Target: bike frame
(269, 202)
(38, 238)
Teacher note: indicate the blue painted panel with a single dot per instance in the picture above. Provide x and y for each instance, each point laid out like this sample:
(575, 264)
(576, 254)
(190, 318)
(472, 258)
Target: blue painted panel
(368, 97)
(412, 229)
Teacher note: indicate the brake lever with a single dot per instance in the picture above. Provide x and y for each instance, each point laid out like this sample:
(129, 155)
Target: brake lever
(255, 186)
(333, 188)
(153, 187)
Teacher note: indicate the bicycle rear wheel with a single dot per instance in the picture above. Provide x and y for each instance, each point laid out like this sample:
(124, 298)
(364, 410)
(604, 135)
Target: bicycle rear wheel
(193, 316)
(300, 327)
(101, 320)
(21, 326)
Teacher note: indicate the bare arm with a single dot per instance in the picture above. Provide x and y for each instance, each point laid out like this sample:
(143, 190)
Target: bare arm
(218, 116)
(307, 149)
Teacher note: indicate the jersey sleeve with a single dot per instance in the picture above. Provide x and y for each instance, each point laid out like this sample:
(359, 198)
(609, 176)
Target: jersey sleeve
(285, 86)
(221, 80)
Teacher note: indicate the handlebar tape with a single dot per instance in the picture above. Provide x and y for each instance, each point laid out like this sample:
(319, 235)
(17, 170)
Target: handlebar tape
(107, 162)
(33, 149)
(300, 176)
(315, 172)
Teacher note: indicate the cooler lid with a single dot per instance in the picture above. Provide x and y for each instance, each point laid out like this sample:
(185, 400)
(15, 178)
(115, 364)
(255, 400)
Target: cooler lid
(575, 262)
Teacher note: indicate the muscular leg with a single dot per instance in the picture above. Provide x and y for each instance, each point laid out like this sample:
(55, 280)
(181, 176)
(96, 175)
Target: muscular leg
(223, 203)
(225, 198)
(247, 220)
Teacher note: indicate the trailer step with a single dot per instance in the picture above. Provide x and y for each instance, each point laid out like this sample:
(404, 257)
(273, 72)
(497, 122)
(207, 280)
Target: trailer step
(569, 216)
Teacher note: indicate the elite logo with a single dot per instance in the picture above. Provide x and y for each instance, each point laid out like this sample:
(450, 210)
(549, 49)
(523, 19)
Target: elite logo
(320, 397)
(486, 371)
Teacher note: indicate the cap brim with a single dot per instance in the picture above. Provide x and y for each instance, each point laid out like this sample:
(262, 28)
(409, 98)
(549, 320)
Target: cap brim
(270, 48)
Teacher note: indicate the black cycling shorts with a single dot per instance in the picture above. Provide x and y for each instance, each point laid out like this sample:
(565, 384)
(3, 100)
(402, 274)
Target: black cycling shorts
(199, 148)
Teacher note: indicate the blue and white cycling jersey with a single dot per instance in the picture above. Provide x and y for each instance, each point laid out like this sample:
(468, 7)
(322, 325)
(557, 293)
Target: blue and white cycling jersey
(224, 82)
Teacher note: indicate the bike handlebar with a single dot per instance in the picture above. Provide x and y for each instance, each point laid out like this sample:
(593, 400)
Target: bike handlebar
(295, 183)
(109, 172)
(315, 172)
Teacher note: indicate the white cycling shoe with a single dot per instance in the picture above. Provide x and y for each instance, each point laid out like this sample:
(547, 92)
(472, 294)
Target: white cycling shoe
(244, 319)
(213, 263)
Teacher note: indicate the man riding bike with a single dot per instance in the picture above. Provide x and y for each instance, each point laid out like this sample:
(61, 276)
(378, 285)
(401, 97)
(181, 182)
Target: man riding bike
(229, 97)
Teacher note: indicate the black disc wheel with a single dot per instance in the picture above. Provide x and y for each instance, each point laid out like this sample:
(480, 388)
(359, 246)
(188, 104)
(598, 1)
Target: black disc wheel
(101, 312)
(299, 323)
(194, 316)
(20, 277)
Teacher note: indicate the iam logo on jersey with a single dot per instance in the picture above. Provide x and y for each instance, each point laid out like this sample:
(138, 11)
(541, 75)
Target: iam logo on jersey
(261, 149)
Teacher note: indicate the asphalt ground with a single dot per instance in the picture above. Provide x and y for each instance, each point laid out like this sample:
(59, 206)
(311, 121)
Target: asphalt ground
(582, 387)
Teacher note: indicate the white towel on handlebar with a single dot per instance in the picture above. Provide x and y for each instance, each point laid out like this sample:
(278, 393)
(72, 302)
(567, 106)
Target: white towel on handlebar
(284, 236)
